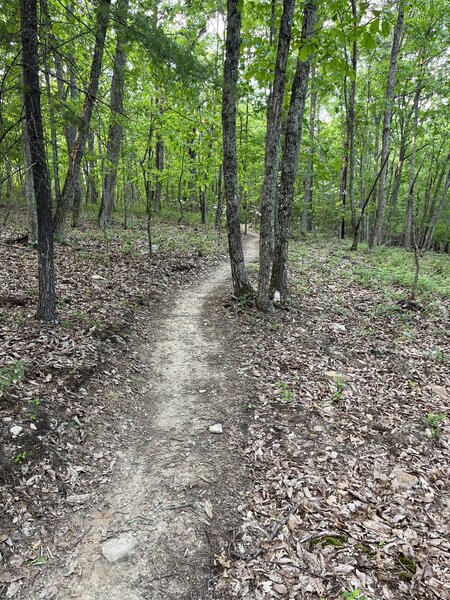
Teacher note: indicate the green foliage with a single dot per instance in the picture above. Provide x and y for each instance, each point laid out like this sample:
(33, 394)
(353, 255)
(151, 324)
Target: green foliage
(354, 595)
(284, 392)
(434, 421)
(10, 375)
(20, 457)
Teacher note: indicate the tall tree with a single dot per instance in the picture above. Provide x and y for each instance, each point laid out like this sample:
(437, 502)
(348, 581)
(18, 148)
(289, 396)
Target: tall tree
(241, 284)
(81, 136)
(375, 236)
(115, 133)
(289, 164)
(273, 135)
(41, 179)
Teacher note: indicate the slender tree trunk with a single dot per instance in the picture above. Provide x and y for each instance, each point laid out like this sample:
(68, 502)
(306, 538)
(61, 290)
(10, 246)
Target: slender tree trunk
(307, 209)
(291, 151)
(219, 199)
(410, 238)
(428, 244)
(375, 236)
(76, 155)
(46, 275)
(159, 165)
(115, 133)
(343, 178)
(29, 188)
(241, 284)
(273, 134)
(351, 120)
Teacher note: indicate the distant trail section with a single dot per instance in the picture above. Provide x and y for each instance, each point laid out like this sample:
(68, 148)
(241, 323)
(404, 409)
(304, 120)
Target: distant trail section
(150, 538)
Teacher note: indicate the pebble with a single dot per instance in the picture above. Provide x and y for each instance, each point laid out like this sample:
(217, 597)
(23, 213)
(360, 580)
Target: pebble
(119, 548)
(16, 430)
(33, 427)
(216, 428)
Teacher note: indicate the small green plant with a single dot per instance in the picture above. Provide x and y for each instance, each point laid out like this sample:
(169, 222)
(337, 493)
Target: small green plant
(434, 421)
(35, 402)
(10, 375)
(338, 395)
(354, 595)
(19, 458)
(285, 394)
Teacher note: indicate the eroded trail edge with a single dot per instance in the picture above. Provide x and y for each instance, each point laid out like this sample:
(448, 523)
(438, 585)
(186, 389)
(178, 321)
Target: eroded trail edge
(175, 478)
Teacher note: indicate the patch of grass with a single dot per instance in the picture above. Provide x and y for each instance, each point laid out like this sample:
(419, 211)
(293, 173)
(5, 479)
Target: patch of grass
(284, 392)
(395, 266)
(337, 541)
(434, 421)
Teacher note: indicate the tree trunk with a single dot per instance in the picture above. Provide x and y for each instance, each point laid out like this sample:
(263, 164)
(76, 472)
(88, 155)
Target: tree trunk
(273, 134)
(241, 284)
(30, 58)
(409, 233)
(291, 150)
(76, 155)
(307, 209)
(351, 121)
(428, 244)
(375, 236)
(159, 165)
(29, 188)
(115, 133)
(219, 199)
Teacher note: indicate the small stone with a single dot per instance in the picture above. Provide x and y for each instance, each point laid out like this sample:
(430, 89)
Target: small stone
(216, 428)
(119, 548)
(402, 480)
(16, 430)
(336, 377)
(7, 419)
(33, 427)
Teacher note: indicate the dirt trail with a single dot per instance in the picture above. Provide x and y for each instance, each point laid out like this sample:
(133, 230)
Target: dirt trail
(173, 479)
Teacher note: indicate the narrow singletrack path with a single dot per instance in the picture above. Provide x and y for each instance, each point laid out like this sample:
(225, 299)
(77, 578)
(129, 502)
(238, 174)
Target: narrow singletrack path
(172, 480)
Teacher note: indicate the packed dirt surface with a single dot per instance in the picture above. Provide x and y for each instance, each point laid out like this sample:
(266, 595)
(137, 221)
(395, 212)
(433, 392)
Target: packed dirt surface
(173, 476)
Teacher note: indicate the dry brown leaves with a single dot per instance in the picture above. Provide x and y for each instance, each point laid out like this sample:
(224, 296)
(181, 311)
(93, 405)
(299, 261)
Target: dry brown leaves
(350, 487)
(51, 457)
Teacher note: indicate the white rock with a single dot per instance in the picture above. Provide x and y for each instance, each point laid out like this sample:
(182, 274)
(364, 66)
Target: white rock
(33, 427)
(119, 548)
(276, 296)
(16, 430)
(216, 428)
(402, 480)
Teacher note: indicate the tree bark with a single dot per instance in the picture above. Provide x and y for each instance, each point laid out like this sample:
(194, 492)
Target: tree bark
(29, 188)
(115, 133)
(79, 144)
(291, 151)
(308, 205)
(273, 135)
(241, 284)
(428, 244)
(351, 120)
(375, 236)
(410, 238)
(41, 179)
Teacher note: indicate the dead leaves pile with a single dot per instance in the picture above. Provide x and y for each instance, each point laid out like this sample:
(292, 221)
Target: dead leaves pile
(349, 470)
(50, 459)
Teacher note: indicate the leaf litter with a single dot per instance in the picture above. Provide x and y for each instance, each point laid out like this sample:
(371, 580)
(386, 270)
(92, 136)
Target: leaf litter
(349, 491)
(58, 440)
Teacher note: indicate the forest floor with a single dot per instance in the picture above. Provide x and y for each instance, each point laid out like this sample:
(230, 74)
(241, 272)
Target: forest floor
(330, 479)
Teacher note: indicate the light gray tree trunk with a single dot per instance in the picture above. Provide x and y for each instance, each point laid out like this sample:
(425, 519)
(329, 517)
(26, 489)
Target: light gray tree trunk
(291, 151)
(409, 233)
(273, 135)
(375, 235)
(115, 133)
(73, 174)
(241, 284)
(308, 205)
